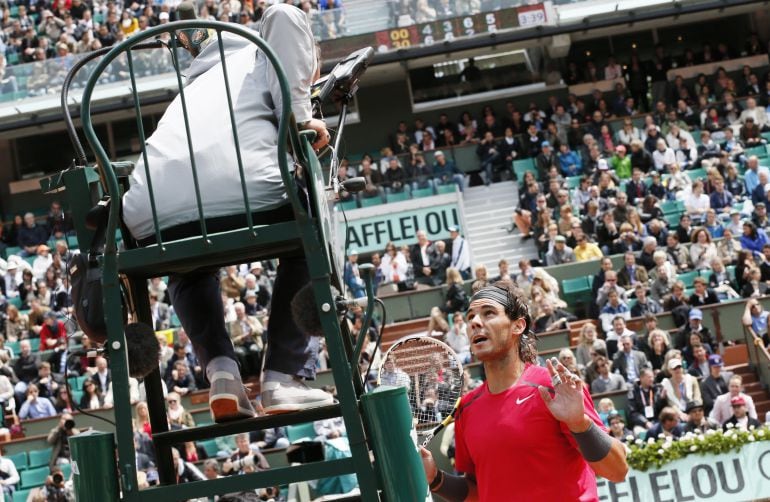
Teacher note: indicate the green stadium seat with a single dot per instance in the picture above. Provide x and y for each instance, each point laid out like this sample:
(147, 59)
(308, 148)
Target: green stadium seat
(15, 301)
(449, 188)
(730, 272)
(19, 460)
(766, 136)
(687, 278)
(77, 394)
(14, 11)
(203, 419)
(370, 201)
(398, 196)
(672, 220)
(347, 205)
(14, 346)
(759, 151)
(301, 431)
(39, 457)
(11, 250)
(30, 259)
(210, 447)
(72, 241)
(688, 292)
(33, 478)
(66, 470)
(422, 192)
(669, 207)
(695, 174)
(21, 495)
(576, 289)
(573, 182)
(174, 322)
(522, 166)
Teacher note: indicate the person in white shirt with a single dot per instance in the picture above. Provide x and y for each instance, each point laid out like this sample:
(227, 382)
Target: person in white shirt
(461, 255)
(680, 388)
(457, 338)
(663, 157)
(613, 70)
(723, 410)
(42, 262)
(697, 203)
(10, 476)
(758, 114)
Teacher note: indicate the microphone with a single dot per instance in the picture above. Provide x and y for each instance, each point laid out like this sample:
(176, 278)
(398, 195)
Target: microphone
(143, 349)
(343, 304)
(354, 185)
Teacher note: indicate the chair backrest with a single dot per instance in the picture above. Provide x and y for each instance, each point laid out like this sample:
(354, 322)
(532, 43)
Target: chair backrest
(301, 431)
(20, 460)
(39, 457)
(32, 478)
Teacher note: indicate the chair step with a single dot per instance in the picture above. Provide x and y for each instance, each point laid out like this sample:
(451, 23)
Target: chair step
(250, 424)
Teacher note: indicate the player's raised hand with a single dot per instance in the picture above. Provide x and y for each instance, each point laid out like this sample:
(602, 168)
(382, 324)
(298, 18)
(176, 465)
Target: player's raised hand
(566, 404)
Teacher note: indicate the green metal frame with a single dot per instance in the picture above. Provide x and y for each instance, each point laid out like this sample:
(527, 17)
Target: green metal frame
(306, 233)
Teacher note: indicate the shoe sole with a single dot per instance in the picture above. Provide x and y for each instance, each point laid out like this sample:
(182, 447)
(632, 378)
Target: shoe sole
(289, 408)
(225, 408)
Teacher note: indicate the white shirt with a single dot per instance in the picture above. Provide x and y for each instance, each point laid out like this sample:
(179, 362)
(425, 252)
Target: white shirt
(461, 257)
(254, 87)
(663, 159)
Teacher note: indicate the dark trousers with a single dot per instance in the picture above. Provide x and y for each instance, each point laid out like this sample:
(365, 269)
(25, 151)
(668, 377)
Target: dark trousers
(197, 299)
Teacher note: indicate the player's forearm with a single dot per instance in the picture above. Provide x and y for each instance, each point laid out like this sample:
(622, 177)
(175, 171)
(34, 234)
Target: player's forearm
(604, 454)
(614, 466)
(454, 488)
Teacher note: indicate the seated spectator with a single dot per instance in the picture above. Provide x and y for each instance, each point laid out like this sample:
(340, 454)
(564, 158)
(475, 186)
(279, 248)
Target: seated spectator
(702, 295)
(702, 250)
(31, 235)
(680, 388)
(52, 331)
(658, 344)
(696, 355)
(445, 171)
(247, 458)
(47, 383)
(34, 406)
(722, 409)
(178, 416)
(614, 309)
(181, 381)
(728, 248)
(645, 401)
(552, 318)
(58, 438)
(396, 178)
(560, 253)
(456, 299)
(489, 155)
(26, 369)
(621, 163)
(567, 358)
(753, 238)
(184, 471)
(750, 134)
(697, 203)
(606, 381)
(669, 424)
(585, 343)
(740, 418)
(663, 157)
(598, 349)
(42, 261)
(246, 334)
(628, 362)
(9, 476)
(618, 428)
(457, 338)
(754, 287)
(16, 324)
(631, 274)
(697, 422)
(373, 177)
(92, 398)
(644, 305)
(755, 317)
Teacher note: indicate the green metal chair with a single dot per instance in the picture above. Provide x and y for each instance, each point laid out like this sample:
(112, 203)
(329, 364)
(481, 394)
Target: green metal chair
(522, 166)
(448, 188)
(687, 278)
(308, 233)
(422, 192)
(19, 460)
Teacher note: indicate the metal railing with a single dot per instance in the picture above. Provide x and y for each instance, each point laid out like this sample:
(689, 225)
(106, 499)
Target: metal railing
(759, 356)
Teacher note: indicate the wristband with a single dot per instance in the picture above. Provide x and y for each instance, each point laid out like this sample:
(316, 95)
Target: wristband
(437, 481)
(594, 444)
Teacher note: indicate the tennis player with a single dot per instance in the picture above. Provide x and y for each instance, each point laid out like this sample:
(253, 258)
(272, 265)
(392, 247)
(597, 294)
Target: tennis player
(528, 433)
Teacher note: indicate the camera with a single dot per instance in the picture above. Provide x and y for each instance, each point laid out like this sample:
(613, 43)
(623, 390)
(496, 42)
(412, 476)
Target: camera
(58, 479)
(69, 424)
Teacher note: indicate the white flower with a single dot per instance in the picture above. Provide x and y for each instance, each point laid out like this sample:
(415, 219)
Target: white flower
(711, 432)
(639, 442)
(667, 445)
(660, 452)
(650, 440)
(730, 426)
(752, 427)
(751, 437)
(629, 438)
(661, 436)
(693, 448)
(701, 437)
(761, 433)
(669, 439)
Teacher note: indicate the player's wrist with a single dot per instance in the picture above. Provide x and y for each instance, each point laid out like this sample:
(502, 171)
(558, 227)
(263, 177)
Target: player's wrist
(579, 426)
(437, 481)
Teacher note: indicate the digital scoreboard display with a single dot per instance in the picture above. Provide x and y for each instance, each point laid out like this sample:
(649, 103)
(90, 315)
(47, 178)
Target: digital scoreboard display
(438, 31)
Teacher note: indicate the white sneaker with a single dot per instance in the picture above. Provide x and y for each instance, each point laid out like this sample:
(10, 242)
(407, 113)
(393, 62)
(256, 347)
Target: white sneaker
(282, 393)
(228, 399)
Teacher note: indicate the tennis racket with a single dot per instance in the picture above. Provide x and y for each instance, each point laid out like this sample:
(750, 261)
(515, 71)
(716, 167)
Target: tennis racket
(433, 376)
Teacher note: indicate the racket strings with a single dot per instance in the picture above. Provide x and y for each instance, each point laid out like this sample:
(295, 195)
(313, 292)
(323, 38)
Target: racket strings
(434, 379)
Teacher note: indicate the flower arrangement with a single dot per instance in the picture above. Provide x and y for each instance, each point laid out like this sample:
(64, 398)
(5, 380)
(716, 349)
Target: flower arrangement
(656, 452)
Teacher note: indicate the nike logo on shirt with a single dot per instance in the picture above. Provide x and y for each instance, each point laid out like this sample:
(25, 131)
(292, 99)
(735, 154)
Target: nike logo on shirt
(520, 400)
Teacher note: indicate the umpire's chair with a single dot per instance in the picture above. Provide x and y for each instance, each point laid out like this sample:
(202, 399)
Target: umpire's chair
(126, 270)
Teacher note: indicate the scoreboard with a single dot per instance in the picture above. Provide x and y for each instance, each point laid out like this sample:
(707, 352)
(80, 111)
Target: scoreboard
(439, 31)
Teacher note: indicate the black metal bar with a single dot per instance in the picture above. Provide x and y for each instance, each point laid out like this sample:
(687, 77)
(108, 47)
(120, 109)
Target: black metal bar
(156, 404)
(250, 424)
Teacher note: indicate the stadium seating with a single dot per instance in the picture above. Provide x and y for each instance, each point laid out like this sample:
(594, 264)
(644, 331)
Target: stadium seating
(302, 431)
(19, 460)
(21, 495)
(33, 478)
(39, 457)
